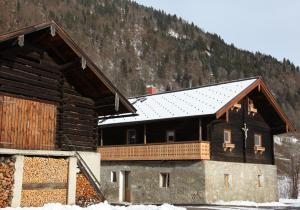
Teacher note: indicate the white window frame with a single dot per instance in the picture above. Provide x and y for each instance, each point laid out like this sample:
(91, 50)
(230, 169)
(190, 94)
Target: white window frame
(228, 131)
(113, 176)
(259, 138)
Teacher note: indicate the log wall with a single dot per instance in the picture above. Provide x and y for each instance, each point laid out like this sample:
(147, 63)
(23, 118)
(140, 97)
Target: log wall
(43, 81)
(255, 124)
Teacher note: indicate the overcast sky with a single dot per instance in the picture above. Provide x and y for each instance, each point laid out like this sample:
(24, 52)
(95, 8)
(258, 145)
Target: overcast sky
(269, 26)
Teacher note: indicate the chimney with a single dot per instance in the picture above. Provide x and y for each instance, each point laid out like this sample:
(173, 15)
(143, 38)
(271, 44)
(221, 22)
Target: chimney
(151, 90)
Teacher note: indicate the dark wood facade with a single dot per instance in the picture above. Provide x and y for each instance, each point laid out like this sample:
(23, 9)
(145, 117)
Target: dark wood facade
(41, 63)
(252, 112)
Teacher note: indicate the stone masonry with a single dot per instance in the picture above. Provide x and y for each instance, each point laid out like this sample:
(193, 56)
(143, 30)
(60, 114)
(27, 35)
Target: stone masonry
(191, 182)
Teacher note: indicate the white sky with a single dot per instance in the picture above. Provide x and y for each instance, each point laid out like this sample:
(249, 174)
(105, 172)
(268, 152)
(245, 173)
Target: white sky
(269, 26)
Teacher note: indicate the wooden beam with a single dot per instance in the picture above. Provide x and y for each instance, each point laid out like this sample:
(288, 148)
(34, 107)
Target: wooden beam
(200, 129)
(21, 40)
(101, 137)
(52, 30)
(117, 102)
(145, 134)
(227, 116)
(83, 62)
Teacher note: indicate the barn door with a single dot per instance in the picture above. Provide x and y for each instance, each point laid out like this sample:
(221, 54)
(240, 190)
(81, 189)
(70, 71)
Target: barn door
(26, 124)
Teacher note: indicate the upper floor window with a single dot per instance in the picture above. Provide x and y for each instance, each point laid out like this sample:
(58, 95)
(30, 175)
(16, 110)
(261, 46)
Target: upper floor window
(170, 135)
(257, 140)
(131, 136)
(227, 136)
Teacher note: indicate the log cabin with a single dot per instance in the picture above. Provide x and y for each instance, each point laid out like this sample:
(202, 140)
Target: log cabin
(51, 94)
(192, 146)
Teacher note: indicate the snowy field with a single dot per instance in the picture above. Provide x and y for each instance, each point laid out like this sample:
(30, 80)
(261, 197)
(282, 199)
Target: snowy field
(283, 204)
(102, 206)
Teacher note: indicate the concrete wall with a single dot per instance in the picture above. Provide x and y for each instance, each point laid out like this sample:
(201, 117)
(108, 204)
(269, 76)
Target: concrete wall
(186, 181)
(243, 182)
(191, 182)
(92, 159)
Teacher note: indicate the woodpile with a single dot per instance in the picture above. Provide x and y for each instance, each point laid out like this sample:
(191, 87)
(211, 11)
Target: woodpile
(45, 170)
(85, 193)
(7, 168)
(37, 198)
(45, 180)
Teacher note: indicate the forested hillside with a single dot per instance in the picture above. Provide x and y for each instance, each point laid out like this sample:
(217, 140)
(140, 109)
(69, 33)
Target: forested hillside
(136, 46)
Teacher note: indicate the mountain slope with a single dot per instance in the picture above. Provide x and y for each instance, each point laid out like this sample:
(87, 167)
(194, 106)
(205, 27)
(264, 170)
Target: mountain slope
(136, 46)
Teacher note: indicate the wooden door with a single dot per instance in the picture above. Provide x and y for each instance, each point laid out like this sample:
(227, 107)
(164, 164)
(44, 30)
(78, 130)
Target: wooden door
(27, 124)
(127, 186)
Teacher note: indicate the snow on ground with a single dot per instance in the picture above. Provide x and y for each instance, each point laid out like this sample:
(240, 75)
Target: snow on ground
(291, 202)
(281, 203)
(101, 206)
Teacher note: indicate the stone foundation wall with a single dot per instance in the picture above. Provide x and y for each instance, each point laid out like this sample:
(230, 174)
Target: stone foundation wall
(251, 182)
(186, 181)
(7, 168)
(191, 182)
(45, 180)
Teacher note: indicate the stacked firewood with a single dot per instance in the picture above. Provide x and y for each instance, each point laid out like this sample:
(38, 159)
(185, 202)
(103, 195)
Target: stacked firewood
(7, 168)
(85, 193)
(45, 181)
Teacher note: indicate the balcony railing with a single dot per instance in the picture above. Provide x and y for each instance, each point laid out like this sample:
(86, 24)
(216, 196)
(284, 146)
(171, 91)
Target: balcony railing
(172, 151)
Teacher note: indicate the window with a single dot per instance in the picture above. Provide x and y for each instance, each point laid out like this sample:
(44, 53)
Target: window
(227, 136)
(259, 181)
(131, 136)
(257, 140)
(164, 180)
(227, 181)
(171, 135)
(113, 176)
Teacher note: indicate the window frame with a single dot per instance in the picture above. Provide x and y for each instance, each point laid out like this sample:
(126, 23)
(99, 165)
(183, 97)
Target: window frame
(113, 176)
(164, 180)
(260, 140)
(227, 182)
(127, 135)
(174, 135)
(230, 136)
(259, 180)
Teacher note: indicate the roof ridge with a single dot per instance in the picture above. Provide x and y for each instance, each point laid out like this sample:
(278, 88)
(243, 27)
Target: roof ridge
(197, 87)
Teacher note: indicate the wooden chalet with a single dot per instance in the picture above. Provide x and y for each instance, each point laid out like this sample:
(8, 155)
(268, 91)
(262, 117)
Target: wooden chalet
(51, 93)
(232, 121)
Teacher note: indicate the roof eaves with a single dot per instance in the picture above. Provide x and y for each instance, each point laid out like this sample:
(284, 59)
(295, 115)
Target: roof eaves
(76, 49)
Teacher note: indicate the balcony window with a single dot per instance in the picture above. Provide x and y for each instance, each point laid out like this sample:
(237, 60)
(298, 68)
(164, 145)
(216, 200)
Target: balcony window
(170, 135)
(131, 136)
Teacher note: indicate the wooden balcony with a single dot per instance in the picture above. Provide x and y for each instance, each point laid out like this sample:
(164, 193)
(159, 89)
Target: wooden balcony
(172, 151)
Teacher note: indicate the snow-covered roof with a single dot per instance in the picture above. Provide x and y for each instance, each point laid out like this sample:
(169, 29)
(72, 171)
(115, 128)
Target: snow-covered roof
(199, 101)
